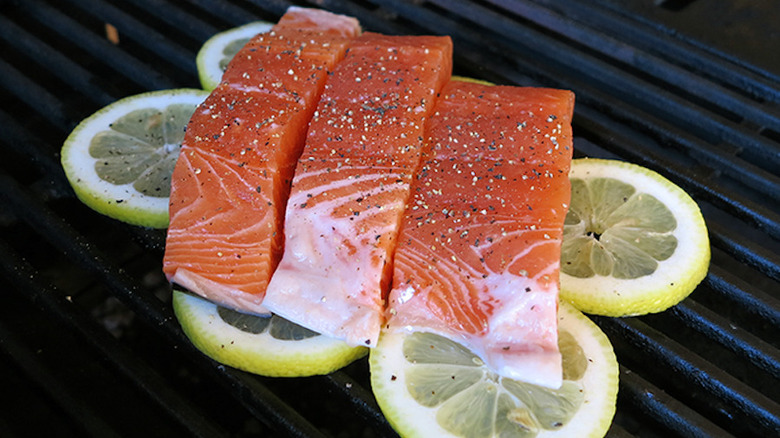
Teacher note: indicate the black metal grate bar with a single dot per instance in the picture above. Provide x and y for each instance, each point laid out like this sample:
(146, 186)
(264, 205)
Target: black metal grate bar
(624, 53)
(599, 29)
(361, 399)
(686, 50)
(163, 49)
(52, 60)
(102, 50)
(23, 143)
(698, 180)
(179, 18)
(757, 213)
(764, 259)
(672, 414)
(747, 296)
(258, 398)
(727, 399)
(91, 424)
(616, 83)
(748, 347)
(233, 14)
(124, 360)
(33, 95)
(650, 96)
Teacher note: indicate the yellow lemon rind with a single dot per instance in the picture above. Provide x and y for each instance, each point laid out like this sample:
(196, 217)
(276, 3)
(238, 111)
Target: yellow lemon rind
(261, 353)
(675, 277)
(210, 53)
(592, 420)
(469, 79)
(121, 202)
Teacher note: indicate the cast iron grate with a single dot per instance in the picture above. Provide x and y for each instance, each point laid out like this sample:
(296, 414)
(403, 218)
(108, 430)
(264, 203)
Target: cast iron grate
(88, 338)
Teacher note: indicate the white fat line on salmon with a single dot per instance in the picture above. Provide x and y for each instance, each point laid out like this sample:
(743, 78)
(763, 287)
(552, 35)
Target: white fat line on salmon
(350, 174)
(456, 307)
(548, 272)
(209, 216)
(442, 267)
(495, 237)
(299, 199)
(221, 293)
(238, 174)
(228, 282)
(445, 279)
(450, 260)
(324, 208)
(496, 219)
(238, 234)
(526, 250)
(193, 233)
(310, 236)
(220, 168)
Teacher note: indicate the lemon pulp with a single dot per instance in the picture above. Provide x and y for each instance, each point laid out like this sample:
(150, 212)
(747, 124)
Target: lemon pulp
(614, 229)
(216, 53)
(428, 385)
(264, 345)
(120, 159)
(633, 243)
(141, 148)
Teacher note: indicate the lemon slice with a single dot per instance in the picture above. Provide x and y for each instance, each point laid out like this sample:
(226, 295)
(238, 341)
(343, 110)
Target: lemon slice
(633, 242)
(269, 346)
(470, 79)
(119, 160)
(215, 54)
(430, 386)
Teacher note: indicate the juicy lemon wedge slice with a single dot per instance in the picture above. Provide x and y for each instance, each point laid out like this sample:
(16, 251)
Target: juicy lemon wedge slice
(119, 160)
(427, 385)
(215, 54)
(269, 346)
(634, 243)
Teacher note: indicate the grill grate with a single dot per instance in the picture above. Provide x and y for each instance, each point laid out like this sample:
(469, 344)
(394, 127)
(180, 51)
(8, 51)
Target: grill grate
(86, 329)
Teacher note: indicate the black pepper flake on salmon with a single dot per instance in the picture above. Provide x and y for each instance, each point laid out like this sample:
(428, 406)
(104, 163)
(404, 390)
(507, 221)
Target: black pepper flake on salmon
(262, 101)
(379, 132)
(469, 142)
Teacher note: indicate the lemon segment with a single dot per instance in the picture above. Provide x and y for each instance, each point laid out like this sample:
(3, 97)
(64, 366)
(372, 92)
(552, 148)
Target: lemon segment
(634, 242)
(215, 54)
(427, 385)
(268, 346)
(120, 159)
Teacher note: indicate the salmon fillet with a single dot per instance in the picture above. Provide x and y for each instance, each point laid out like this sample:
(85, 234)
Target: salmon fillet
(479, 250)
(352, 182)
(230, 184)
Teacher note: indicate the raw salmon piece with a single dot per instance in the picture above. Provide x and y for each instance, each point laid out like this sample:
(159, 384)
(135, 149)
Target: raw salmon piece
(231, 182)
(479, 250)
(291, 60)
(352, 182)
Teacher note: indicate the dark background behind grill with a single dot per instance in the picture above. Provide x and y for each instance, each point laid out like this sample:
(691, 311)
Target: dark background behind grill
(88, 340)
